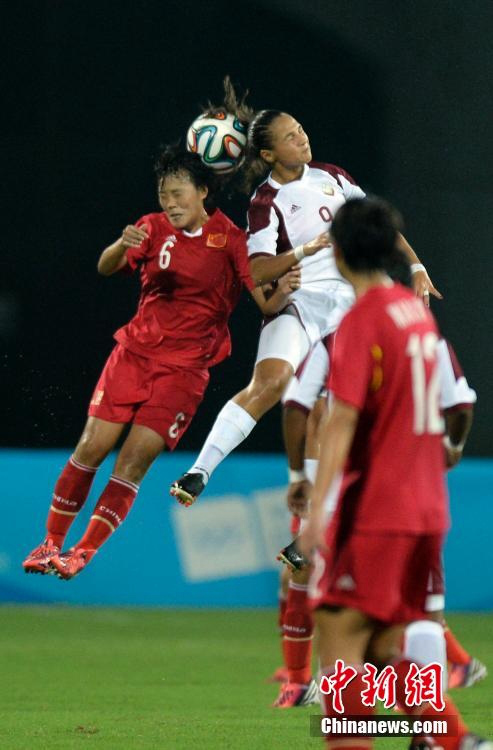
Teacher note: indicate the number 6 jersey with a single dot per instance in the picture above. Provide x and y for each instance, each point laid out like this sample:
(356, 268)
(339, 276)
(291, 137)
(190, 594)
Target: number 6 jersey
(190, 284)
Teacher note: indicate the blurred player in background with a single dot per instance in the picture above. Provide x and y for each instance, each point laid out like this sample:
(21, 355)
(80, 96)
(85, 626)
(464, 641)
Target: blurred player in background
(193, 263)
(295, 203)
(382, 457)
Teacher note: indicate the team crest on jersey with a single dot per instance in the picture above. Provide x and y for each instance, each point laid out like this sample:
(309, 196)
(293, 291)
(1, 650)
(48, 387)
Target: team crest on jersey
(170, 238)
(328, 189)
(216, 240)
(294, 208)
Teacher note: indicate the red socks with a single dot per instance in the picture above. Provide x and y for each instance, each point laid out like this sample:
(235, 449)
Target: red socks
(298, 635)
(353, 706)
(110, 512)
(446, 742)
(455, 653)
(69, 495)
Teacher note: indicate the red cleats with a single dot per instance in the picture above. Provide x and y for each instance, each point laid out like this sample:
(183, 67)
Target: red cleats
(280, 675)
(66, 565)
(39, 560)
(292, 694)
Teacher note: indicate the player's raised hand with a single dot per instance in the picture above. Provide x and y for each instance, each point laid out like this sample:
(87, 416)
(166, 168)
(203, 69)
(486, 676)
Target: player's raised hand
(133, 236)
(312, 247)
(423, 286)
(298, 497)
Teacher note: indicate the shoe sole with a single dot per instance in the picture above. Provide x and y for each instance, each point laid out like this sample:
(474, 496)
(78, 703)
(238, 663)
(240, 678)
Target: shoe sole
(286, 561)
(182, 495)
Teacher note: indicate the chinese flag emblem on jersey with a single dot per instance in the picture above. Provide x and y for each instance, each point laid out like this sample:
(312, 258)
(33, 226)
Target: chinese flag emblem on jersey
(216, 240)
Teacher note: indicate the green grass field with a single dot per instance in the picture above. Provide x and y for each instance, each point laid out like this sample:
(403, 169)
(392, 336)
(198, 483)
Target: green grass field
(128, 679)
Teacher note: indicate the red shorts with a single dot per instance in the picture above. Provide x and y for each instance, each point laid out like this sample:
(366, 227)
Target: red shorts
(135, 389)
(384, 575)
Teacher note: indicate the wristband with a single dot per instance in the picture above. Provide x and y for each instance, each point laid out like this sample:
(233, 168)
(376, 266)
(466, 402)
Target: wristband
(448, 444)
(296, 475)
(415, 267)
(299, 252)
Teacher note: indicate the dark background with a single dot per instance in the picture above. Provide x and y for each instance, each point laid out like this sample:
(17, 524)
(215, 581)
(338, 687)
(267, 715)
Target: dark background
(399, 94)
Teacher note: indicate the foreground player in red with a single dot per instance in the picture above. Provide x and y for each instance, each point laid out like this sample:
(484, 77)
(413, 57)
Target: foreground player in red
(382, 448)
(192, 266)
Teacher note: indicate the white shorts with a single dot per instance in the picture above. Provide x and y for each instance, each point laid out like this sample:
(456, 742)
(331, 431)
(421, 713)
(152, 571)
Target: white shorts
(321, 309)
(308, 383)
(284, 338)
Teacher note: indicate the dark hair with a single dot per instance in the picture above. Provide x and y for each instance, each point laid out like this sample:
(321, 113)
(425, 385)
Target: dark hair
(175, 160)
(253, 167)
(259, 138)
(365, 229)
(232, 104)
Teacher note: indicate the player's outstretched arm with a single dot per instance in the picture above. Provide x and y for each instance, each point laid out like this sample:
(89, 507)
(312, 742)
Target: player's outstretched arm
(113, 258)
(272, 303)
(265, 268)
(422, 284)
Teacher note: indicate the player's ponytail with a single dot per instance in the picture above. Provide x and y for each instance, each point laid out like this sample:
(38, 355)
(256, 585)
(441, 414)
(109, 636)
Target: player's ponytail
(259, 137)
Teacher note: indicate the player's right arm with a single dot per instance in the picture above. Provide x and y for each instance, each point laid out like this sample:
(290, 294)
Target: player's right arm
(265, 268)
(114, 257)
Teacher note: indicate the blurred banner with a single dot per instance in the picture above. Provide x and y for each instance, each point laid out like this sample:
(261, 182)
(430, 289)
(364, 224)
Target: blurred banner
(219, 553)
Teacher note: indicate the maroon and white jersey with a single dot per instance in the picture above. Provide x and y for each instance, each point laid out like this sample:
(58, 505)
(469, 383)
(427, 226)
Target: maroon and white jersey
(281, 217)
(455, 392)
(190, 285)
(384, 363)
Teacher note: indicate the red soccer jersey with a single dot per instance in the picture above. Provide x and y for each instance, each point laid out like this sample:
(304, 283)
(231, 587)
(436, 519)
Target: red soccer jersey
(190, 285)
(384, 364)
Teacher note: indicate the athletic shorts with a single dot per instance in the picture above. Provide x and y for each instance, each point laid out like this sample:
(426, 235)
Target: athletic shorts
(308, 383)
(384, 575)
(135, 389)
(284, 337)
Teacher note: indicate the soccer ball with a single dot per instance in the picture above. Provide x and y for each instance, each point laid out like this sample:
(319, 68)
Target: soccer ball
(219, 139)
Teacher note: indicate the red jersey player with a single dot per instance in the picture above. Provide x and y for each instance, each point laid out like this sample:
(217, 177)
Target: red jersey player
(192, 267)
(382, 454)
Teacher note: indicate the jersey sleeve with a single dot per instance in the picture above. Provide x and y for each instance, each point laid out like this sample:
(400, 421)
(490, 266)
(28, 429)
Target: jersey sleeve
(135, 255)
(454, 388)
(240, 260)
(353, 359)
(263, 226)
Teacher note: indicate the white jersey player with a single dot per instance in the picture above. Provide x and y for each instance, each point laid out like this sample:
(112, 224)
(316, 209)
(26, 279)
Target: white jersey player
(296, 202)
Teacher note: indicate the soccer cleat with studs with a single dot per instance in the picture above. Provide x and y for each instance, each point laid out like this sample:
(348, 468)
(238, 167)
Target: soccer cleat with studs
(465, 675)
(473, 742)
(68, 564)
(292, 557)
(292, 694)
(187, 488)
(38, 561)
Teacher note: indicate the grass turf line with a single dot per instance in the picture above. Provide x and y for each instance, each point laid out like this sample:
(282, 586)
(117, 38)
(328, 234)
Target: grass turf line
(127, 679)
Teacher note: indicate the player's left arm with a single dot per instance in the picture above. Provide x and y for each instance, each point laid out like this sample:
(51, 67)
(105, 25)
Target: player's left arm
(336, 439)
(458, 422)
(271, 302)
(422, 284)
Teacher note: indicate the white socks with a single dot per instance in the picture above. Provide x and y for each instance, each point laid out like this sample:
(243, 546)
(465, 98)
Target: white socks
(424, 643)
(233, 424)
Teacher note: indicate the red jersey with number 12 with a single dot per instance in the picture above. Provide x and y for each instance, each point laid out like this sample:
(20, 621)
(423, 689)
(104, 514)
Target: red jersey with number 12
(385, 364)
(190, 285)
